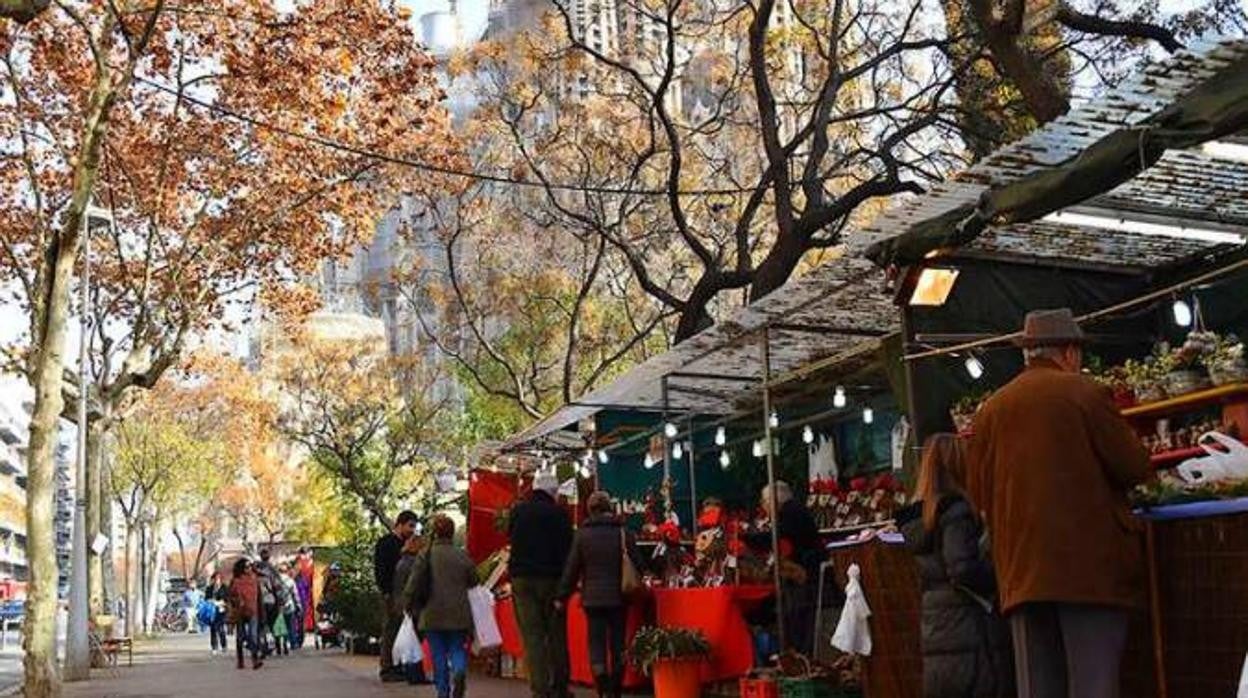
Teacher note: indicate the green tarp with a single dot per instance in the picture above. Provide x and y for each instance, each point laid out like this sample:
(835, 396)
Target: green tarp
(1216, 109)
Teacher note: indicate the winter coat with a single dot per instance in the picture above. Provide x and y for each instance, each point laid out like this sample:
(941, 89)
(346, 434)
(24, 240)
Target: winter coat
(965, 641)
(453, 574)
(217, 592)
(386, 554)
(541, 535)
(245, 596)
(595, 561)
(1050, 465)
(403, 572)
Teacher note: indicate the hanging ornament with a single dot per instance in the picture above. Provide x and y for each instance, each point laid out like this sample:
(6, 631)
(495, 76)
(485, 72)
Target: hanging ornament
(838, 398)
(721, 436)
(808, 435)
(724, 460)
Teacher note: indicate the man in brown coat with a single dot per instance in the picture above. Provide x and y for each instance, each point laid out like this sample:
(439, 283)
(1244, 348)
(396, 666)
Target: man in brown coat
(1051, 463)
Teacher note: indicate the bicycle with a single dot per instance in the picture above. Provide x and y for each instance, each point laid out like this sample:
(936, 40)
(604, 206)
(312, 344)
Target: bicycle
(169, 620)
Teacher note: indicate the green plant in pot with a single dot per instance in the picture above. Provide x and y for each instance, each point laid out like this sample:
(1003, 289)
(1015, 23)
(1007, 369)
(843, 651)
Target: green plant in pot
(673, 657)
(963, 411)
(1226, 361)
(1146, 378)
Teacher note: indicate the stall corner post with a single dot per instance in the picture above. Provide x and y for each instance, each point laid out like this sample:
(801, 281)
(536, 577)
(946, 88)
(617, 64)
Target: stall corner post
(771, 486)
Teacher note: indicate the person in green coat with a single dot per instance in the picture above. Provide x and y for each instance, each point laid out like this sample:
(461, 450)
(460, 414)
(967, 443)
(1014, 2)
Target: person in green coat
(443, 576)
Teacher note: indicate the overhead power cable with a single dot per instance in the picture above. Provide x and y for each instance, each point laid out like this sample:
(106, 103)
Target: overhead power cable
(339, 146)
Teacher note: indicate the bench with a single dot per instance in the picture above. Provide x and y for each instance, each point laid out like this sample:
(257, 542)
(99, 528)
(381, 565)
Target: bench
(106, 646)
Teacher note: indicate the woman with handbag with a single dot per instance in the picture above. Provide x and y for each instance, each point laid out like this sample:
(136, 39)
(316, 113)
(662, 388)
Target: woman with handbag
(966, 643)
(604, 561)
(443, 576)
(244, 610)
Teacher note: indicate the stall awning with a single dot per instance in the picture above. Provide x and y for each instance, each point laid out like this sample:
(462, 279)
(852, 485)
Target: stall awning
(1140, 156)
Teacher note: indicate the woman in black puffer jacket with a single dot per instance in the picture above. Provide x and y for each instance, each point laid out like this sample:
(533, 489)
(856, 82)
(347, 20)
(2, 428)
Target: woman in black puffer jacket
(596, 562)
(966, 644)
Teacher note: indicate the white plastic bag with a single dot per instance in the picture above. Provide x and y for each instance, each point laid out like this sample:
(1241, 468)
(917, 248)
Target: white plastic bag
(1230, 462)
(484, 625)
(407, 648)
(1243, 681)
(853, 633)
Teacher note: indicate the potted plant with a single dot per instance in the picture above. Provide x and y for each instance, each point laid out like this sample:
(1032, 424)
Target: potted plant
(1146, 379)
(963, 411)
(673, 657)
(1226, 362)
(1185, 368)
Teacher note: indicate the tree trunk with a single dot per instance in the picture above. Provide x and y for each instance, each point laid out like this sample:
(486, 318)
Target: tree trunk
(154, 595)
(96, 433)
(186, 572)
(39, 629)
(129, 582)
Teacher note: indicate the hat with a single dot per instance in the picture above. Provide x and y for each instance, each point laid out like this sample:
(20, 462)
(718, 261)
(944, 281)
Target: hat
(546, 481)
(1049, 328)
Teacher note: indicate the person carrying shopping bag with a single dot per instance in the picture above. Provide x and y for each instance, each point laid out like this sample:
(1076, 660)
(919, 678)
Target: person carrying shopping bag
(444, 574)
(597, 563)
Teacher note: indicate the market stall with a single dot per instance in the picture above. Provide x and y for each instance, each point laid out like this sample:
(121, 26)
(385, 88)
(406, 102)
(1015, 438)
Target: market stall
(1151, 259)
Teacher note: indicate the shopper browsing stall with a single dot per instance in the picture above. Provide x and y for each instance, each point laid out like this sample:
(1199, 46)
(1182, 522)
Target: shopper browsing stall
(966, 645)
(1051, 464)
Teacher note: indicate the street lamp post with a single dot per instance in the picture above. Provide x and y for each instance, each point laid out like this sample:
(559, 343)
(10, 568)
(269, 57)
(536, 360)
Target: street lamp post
(77, 644)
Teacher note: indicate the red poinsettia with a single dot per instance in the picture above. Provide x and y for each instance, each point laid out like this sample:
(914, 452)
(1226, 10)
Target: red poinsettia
(669, 532)
(859, 484)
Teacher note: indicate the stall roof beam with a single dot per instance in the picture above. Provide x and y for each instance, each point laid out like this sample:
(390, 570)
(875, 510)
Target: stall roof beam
(840, 331)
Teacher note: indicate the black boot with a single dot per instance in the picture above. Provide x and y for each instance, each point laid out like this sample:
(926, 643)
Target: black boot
(617, 683)
(458, 686)
(602, 684)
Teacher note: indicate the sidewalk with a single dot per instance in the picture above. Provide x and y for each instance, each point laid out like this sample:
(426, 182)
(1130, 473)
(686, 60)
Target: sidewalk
(181, 666)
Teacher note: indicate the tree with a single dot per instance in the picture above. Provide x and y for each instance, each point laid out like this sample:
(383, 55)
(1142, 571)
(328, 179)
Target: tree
(195, 112)
(371, 422)
(23, 10)
(530, 319)
(1026, 57)
(712, 146)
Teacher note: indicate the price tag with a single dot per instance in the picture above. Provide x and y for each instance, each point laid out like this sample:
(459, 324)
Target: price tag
(731, 561)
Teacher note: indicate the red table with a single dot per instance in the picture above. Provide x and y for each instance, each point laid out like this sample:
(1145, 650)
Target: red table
(578, 638)
(719, 613)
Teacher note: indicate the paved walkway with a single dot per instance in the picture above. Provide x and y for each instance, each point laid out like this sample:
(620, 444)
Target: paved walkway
(181, 666)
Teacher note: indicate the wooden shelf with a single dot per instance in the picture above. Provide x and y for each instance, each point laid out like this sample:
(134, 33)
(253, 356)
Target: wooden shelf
(1190, 401)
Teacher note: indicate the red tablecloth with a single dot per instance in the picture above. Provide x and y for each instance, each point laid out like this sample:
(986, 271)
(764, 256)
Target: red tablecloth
(578, 638)
(719, 613)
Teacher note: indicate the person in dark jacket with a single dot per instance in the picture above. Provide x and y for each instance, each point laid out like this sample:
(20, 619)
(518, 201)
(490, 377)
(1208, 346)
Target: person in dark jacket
(596, 563)
(447, 573)
(386, 554)
(803, 553)
(404, 571)
(245, 610)
(541, 535)
(218, 594)
(272, 599)
(966, 643)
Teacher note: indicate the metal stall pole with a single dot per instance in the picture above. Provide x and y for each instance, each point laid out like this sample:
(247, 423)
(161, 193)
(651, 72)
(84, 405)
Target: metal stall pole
(666, 485)
(693, 484)
(771, 486)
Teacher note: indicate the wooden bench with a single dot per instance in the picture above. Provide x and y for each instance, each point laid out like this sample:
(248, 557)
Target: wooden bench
(107, 646)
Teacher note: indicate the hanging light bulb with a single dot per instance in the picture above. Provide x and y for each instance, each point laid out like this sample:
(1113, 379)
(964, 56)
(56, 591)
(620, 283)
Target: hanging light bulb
(808, 435)
(670, 430)
(774, 419)
(724, 460)
(648, 462)
(1182, 313)
(603, 457)
(868, 415)
(678, 451)
(721, 436)
(757, 449)
(974, 367)
(838, 398)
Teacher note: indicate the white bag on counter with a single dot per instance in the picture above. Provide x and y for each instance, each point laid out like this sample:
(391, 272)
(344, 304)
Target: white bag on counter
(1217, 465)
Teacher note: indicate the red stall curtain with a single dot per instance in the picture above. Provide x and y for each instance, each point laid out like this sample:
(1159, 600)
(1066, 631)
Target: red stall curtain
(488, 494)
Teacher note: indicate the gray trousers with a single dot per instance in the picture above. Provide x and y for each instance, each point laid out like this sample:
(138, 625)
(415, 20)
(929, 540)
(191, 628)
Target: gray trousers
(1064, 650)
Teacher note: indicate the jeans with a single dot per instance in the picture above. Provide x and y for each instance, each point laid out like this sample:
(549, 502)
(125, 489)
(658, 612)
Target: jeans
(450, 657)
(606, 632)
(545, 633)
(217, 631)
(247, 633)
(1067, 650)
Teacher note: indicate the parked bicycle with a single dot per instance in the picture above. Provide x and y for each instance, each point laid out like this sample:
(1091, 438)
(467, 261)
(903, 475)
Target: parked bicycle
(170, 619)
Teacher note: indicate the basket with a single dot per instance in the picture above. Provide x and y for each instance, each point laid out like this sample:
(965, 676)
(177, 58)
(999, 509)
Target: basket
(759, 688)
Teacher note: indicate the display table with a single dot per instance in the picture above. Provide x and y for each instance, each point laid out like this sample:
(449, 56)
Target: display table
(578, 638)
(719, 613)
(1190, 644)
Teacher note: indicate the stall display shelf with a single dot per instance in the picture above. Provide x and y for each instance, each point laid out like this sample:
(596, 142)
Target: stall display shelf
(1190, 401)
